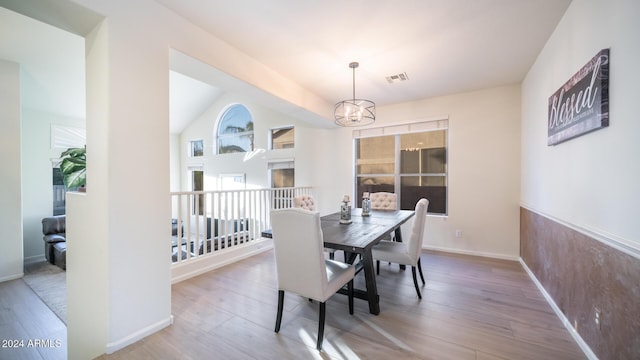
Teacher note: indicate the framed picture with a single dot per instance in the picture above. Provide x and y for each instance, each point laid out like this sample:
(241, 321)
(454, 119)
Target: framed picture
(581, 105)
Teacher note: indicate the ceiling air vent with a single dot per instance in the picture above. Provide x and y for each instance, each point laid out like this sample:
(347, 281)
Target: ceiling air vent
(397, 78)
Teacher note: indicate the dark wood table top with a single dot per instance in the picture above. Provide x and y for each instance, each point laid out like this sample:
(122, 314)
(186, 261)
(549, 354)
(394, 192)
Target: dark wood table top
(364, 231)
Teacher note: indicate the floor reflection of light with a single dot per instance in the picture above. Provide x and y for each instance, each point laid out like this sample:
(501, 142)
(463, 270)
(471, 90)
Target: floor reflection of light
(339, 347)
(310, 342)
(334, 348)
(384, 333)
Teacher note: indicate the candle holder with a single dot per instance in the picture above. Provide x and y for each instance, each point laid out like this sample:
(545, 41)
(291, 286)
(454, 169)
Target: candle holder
(366, 204)
(345, 211)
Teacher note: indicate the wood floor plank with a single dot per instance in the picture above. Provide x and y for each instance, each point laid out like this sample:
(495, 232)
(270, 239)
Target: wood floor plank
(26, 319)
(472, 308)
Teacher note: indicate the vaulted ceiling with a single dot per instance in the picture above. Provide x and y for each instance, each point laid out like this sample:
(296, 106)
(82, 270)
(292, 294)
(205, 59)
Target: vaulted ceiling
(439, 46)
(442, 46)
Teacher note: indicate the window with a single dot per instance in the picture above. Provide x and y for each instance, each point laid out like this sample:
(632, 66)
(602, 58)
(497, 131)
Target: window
(197, 184)
(282, 174)
(58, 193)
(410, 164)
(282, 138)
(63, 138)
(196, 148)
(235, 130)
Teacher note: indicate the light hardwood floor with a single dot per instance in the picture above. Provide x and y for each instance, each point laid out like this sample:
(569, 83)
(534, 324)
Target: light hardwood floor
(28, 328)
(472, 308)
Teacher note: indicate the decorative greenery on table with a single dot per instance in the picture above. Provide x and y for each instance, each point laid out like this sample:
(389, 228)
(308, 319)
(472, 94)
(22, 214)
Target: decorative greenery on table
(73, 167)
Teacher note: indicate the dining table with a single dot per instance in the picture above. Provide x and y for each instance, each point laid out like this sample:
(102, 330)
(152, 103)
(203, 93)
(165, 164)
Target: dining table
(358, 237)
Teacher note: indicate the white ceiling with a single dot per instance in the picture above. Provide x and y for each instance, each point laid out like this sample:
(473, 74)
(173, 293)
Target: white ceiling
(52, 64)
(188, 99)
(444, 46)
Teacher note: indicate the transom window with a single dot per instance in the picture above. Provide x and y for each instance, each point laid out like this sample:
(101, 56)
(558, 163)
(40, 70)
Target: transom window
(282, 138)
(196, 148)
(235, 130)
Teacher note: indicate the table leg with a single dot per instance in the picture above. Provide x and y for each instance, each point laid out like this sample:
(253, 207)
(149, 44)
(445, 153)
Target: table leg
(398, 238)
(370, 280)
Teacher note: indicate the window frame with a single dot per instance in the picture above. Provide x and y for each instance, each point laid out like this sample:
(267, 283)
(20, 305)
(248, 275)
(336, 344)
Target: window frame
(191, 171)
(192, 148)
(287, 127)
(441, 124)
(217, 135)
(282, 164)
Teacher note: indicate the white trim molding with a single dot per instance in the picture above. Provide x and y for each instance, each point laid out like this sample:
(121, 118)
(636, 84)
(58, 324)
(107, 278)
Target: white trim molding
(608, 239)
(471, 253)
(138, 335)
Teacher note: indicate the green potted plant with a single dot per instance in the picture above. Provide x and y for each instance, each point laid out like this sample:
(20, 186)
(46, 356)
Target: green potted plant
(74, 168)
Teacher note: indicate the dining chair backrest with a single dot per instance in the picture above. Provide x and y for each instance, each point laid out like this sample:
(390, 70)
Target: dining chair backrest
(383, 201)
(298, 244)
(417, 230)
(304, 202)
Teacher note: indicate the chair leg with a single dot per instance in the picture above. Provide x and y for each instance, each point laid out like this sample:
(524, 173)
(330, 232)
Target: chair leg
(321, 326)
(420, 270)
(377, 267)
(350, 294)
(415, 281)
(280, 306)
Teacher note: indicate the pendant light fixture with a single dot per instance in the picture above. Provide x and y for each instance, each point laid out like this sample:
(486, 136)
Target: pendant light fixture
(355, 112)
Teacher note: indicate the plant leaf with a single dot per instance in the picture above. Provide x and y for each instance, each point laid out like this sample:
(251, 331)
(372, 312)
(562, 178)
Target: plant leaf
(73, 167)
(75, 179)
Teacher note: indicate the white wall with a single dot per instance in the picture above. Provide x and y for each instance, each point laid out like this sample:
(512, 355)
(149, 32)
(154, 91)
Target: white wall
(118, 274)
(27, 42)
(124, 266)
(483, 165)
(37, 155)
(89, 289)
(11, 191)
(175, 161)
(256, 167)
(127, 145)
(590, 182)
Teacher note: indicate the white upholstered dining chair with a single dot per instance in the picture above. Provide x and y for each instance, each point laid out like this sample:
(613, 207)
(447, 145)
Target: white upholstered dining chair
(307, 202)
(300, 263)
(406, 253)
(383, 201)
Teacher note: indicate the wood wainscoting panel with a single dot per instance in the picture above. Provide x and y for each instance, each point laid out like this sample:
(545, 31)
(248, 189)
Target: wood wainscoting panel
(585, 276)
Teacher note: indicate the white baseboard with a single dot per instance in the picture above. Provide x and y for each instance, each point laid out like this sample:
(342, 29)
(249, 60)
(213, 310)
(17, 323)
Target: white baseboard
(34, 259)
(567, 324)
(138, 335)
(473, 253)
(11, 277)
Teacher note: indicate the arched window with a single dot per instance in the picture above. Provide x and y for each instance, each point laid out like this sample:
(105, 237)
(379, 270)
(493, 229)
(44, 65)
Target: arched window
(235, 130)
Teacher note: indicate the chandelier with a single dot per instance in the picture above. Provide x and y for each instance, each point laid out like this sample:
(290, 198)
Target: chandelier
(355, 112)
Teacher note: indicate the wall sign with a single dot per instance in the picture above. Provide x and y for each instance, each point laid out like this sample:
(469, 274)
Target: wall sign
(581, 105)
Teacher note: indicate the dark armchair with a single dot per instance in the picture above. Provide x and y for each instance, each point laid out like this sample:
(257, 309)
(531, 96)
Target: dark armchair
(55, 241)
